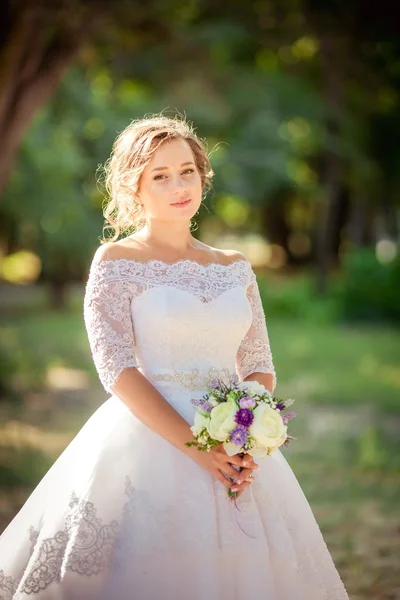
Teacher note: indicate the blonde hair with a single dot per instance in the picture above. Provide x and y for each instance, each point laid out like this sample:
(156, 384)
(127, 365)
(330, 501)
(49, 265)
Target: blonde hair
(131, 153)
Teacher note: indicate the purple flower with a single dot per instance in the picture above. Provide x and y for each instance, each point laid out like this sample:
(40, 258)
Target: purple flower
(244, 417)
(247, 402)
(239, 435)
(206, 406)
(215, 384)
(280, 406)
(234, 379)
(197, 401)
(288, 416)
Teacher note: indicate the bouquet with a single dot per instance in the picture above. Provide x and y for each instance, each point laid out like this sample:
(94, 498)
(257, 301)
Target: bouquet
(244, 416)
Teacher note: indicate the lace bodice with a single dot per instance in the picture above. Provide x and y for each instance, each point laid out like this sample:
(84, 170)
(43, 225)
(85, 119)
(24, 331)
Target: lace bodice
(160, 316)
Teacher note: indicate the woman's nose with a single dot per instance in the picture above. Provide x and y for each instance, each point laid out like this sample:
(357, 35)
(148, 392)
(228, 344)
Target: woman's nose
(178, 185)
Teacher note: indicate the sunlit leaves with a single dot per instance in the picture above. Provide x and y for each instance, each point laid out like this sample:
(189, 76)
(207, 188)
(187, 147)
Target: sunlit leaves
(20, 267)
(233, 210)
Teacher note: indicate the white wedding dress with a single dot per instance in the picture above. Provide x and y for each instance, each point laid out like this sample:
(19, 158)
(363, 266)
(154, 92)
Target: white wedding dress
(123, 514)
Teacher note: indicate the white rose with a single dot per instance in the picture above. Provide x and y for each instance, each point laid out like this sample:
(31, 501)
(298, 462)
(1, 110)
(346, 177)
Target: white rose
(272, 449)
(267, 428)
(200, 422)
(222, 421)
(254, 388)
(257, 452)
(260, 452)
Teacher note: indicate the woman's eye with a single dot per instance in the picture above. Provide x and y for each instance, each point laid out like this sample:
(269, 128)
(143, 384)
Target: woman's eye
(158, 177)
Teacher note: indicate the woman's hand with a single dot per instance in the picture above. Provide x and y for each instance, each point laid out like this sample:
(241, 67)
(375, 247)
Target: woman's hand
(244, 478)
(219, 464)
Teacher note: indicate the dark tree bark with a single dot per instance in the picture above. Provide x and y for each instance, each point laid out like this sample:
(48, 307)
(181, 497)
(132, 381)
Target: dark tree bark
(358, 230)
(333, 166)
(274, 224)
(58, 295)
(38, 41)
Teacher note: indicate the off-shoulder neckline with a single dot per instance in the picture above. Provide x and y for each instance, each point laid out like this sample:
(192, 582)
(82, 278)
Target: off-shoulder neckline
(159, 261)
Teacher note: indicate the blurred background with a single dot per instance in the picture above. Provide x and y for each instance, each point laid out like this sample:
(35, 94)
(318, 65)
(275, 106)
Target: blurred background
(299, 102)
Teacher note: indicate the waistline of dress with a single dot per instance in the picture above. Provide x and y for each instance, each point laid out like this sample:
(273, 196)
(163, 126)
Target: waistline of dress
(191, 379)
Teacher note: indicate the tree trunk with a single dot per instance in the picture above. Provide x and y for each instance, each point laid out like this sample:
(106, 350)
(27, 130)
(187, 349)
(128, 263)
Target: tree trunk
(333, 169)
(340, 222)
(37, 46)
(58, 295)
(358, 225)
(274, 224)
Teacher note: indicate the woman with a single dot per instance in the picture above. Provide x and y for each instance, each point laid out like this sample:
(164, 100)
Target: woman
(129, 511)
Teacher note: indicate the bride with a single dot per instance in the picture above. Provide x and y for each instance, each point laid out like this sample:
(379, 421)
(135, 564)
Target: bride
(128, 511)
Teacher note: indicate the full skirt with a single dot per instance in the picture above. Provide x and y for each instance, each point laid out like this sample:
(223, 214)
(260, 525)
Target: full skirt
(123, 514)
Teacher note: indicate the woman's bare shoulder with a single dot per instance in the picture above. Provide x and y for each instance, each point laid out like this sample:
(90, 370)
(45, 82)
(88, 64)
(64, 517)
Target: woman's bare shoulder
(234, 255)
(117, 250)
(228, 256)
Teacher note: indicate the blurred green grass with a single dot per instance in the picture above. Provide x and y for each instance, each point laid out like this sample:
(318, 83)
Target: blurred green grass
(39, 341)
(338, 364)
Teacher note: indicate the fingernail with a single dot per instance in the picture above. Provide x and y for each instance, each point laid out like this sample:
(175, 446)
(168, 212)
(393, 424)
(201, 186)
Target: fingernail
(239, 481)
(234, 489)
(245, 463)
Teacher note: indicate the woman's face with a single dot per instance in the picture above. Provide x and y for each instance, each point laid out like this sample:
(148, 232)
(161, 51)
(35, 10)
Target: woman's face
(169, 179)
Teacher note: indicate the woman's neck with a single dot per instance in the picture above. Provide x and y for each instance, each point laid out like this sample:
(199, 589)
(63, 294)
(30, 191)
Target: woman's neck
(172, 237)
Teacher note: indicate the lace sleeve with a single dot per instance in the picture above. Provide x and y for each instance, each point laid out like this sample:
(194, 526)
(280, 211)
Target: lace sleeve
(254, 353)
(108, 321)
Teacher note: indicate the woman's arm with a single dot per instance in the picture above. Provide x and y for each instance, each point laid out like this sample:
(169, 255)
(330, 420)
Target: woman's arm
(150, 407)
(266, 379)
(254, 357)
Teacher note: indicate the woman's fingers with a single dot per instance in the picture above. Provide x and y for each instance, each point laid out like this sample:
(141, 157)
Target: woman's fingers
(236, 487)
(225, 467)
(244, 480)
(245, 461)
(234, 460)
(229, 471)
(223, 479)
(248, 461)
(241, 461)
(232, 478)
(245, 475)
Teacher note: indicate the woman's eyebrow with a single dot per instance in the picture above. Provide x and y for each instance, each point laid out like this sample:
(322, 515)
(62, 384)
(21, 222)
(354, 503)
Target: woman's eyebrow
(162, 168)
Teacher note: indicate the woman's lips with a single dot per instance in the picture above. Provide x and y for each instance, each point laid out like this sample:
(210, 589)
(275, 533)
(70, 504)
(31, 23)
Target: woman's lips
(182, 204)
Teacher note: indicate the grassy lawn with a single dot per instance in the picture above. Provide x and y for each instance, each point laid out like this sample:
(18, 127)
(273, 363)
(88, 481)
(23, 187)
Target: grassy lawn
(338, 364)
(346, 382)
